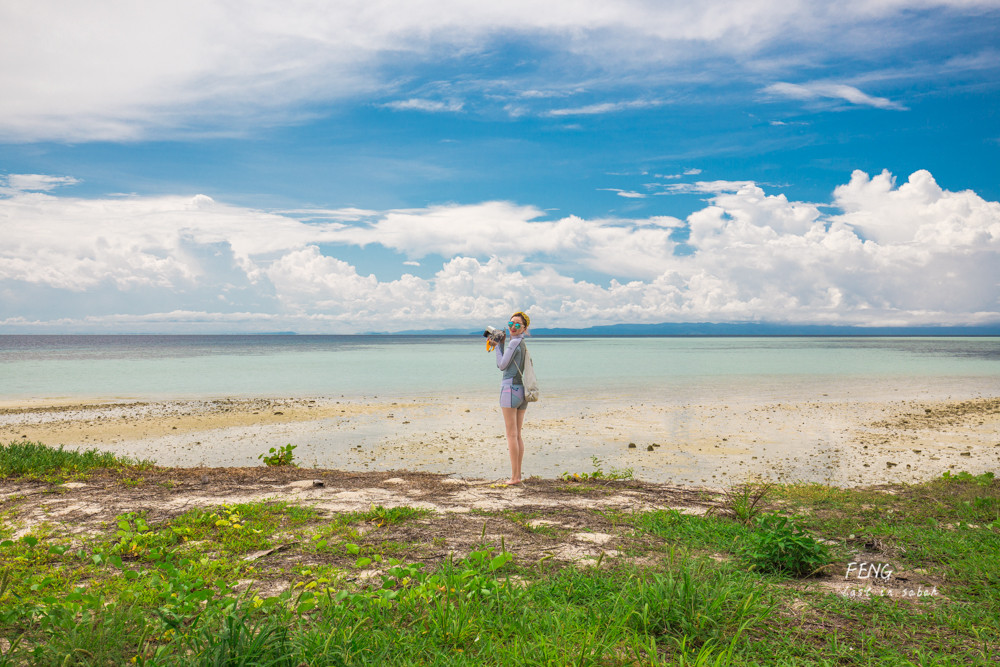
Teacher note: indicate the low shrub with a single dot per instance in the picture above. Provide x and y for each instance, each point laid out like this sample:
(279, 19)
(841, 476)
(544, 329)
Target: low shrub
(281, 456)
(779, 545)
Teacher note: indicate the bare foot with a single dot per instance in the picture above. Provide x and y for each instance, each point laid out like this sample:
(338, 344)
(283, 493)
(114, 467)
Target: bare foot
(512, 482)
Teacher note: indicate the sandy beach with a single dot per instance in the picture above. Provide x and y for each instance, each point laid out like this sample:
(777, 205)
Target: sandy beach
(844, 443)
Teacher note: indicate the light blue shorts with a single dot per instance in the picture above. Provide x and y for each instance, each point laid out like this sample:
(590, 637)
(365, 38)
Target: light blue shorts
(512, 396)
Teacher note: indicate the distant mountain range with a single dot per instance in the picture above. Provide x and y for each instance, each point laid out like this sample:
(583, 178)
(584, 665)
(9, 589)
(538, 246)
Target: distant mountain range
(736, 329)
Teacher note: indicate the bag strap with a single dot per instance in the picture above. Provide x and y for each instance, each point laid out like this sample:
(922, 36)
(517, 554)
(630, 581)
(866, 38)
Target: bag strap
(519, 369)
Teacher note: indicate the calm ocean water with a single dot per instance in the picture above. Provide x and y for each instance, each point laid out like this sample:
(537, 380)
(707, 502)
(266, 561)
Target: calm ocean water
(164, 367)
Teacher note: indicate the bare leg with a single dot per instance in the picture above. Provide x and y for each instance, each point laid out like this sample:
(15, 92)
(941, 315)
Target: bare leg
(516, 450)
(520, 442)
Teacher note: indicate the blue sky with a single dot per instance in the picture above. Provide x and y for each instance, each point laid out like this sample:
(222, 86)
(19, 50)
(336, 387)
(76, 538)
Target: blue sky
(347, 167)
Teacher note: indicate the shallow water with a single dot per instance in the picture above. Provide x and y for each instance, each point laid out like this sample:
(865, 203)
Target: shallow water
(162, 367)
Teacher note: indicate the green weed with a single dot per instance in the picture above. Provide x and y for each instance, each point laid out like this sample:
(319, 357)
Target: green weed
(281, 456)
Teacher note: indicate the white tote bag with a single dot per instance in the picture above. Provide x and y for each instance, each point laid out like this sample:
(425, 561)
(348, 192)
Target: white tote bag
(528, 378)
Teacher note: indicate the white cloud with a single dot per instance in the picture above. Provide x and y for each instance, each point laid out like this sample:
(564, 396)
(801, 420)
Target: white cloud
(432, 106)
(628, 194)
(705, 187)
(103, 70)
(34, 183)
(78, 244)
(673, 177)
(604, 107)
(919, 213)
(664, 221)
(836, 91)
(913, 254)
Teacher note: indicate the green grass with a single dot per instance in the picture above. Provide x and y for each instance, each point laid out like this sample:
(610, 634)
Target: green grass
(705, 533)
(176, 592)
(232, 529)
(37, 461)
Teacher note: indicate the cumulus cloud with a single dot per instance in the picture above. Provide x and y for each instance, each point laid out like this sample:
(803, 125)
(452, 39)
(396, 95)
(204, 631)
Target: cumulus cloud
(76, 244)
(909, 254)
(835, 91)
(918, 212)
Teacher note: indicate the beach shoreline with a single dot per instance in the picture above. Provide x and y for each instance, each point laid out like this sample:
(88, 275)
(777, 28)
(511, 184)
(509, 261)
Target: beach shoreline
(837, 442)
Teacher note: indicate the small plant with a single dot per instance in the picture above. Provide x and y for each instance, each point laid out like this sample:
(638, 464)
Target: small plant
(598, 473)
(779, 545)
(135, 539)
(381, 516)
(743, 500)
(282, 456)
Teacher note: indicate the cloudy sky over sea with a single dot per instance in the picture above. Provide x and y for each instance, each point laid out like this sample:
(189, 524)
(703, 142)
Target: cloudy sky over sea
(340, 167)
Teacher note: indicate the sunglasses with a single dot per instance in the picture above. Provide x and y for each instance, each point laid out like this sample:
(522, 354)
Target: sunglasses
(514, 325)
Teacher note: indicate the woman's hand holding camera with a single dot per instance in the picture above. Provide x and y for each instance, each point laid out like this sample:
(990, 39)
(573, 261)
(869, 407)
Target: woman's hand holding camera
(493, 337)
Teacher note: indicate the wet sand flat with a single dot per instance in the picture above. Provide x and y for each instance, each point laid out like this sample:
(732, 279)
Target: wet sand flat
(834, 441)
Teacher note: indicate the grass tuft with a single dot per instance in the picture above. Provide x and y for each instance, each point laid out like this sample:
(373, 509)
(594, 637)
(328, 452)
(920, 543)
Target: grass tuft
(744, 500)
(38, 461)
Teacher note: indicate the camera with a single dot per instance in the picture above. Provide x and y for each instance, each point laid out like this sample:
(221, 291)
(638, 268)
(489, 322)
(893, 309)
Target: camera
(494, 335)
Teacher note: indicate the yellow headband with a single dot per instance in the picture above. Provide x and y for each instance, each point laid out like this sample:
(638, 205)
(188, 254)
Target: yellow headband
(527, 320)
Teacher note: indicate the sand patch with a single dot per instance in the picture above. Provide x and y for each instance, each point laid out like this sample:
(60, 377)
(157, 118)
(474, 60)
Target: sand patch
(110, 422)
(837, 442)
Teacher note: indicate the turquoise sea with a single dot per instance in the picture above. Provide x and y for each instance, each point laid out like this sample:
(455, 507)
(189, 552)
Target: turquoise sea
(171, 367)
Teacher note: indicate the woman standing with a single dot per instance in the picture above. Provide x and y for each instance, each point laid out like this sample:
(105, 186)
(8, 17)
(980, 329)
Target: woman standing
(510, 359)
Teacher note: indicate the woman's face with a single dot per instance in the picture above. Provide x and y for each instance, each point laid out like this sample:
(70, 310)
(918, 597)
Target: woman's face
(516, 325)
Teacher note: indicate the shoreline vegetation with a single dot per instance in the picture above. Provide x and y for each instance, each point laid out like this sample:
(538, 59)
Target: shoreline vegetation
(107, 561)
